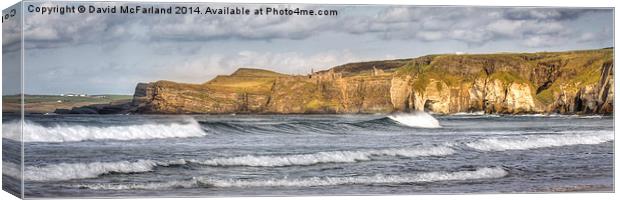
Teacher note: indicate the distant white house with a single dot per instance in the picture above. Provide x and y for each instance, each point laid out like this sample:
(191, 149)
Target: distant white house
(459, 53)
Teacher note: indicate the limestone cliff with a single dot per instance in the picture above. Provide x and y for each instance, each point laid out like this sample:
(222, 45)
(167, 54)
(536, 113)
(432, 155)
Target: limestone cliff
(575, 82)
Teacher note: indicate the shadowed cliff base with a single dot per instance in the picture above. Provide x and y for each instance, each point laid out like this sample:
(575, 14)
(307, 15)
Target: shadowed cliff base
(573, 82)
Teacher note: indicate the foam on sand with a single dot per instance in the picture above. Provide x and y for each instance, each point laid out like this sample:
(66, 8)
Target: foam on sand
(72, 133)
(416, 119)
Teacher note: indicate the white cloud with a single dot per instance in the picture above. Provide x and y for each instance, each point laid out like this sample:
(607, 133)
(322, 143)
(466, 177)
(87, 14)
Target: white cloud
(204, 68)
(470, 25)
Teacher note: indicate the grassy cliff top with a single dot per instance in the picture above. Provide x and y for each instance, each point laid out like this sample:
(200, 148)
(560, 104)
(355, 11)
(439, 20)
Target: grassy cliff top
(352, 68)
(251, 72)
(245, 80)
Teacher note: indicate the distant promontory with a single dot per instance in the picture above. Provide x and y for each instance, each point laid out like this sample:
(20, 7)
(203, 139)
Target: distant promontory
(573, 82)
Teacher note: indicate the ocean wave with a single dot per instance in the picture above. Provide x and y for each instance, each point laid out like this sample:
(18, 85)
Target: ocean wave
(416, 119)
(69, 171)
(468, 113)
(480, 173)
(72, 133)
(12, 170)
(554, 115)
(325, 157)
(541, 141)
(142, 186)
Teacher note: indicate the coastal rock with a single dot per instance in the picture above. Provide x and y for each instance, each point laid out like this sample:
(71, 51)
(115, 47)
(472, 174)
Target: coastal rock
(576, 82)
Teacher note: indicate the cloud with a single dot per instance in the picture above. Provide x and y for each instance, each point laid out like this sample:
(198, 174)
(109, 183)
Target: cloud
(475, 26)
(601, 36)
(203, 68)
(11, 34)
(556, 14)
(470, 25)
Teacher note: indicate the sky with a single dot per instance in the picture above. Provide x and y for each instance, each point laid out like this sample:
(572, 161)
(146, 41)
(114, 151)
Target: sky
(111, 53)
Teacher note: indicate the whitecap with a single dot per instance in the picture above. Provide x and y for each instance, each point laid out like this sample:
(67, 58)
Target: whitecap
(540, 141)
(34, 132)
(480, 173)
(68, 171)
(325, 157)
(416, 119)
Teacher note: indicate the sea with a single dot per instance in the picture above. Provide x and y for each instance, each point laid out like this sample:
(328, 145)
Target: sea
(306, 155)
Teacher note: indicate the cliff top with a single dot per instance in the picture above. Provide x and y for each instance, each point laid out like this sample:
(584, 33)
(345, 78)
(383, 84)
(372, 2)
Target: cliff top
(256, 73)
(369, 65)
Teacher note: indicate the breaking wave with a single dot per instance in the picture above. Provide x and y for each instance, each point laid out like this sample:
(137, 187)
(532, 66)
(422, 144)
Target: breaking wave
(480, 173)
(68, 171)
(541, 141)
(72, 133)
(12, 170)
(416, 119)
(325, 157)
(469, 113)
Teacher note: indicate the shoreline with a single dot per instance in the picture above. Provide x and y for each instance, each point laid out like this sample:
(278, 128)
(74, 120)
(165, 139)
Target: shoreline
(342, 114)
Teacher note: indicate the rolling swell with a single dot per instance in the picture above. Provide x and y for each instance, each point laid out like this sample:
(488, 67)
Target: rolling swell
(391, 122)
(480, 173)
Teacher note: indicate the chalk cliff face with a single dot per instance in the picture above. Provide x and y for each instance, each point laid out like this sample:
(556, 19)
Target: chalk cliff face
(577, 82)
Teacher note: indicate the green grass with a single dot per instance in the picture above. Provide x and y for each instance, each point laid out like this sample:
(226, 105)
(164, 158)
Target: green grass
(256, 73)
(508, 77)
(545, 97)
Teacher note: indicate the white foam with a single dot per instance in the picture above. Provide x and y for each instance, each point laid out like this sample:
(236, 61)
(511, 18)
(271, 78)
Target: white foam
(68, 171)
(541, 141)
(12, 130)
(71, 133)
(591, 117)
(416, 119)
(141, 186)
(325, 157)
(468, 113)
(12, 170)
(480, 173)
